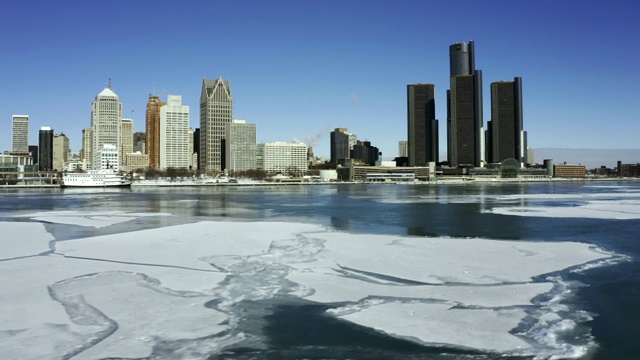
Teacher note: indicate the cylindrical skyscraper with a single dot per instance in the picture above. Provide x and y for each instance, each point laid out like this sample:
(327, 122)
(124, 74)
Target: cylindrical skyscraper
(461, 59)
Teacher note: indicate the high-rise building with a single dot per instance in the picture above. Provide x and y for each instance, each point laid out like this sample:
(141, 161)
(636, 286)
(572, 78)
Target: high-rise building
(60, 151)
(216, 111)
(422, 125)
(464, 107)
(20, 133)
(196, 146)
(45, 149)
(106, 114)
(152, 142)
(86, 154)
(139, 143)
(193, 163)
(282, 158)
(363, 152)
(126, 140)
(33, 150)
(403, 148)
(174, 134)
(505, 137)
(240, 146)
(342, 143)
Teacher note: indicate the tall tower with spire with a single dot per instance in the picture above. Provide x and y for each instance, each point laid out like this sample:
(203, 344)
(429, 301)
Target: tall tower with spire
(216, 111)
(106, 114)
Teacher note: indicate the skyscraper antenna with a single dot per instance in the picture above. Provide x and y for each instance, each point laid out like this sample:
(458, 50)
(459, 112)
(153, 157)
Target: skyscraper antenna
(109, 83)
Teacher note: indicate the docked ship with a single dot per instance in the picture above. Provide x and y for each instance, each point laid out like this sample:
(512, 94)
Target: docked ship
(95, 178)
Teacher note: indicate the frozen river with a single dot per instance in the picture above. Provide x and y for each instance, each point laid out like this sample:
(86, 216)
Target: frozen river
(474, 271)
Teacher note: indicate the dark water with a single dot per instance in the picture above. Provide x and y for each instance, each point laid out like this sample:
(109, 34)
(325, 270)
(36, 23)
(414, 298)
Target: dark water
(297, 329)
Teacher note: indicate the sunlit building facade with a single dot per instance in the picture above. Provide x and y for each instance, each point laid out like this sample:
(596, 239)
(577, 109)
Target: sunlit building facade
(126, 140)
(20, 133)
(106, 115)
(152, 126)
(240, 146)
(216, 111)
(174, 134)
(60, 151)
(282, 158)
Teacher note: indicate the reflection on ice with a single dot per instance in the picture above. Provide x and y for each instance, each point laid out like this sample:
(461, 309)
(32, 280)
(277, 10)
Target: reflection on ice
(131, 294)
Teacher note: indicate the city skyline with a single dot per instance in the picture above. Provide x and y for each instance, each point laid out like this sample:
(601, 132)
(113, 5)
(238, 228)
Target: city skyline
(300, 70)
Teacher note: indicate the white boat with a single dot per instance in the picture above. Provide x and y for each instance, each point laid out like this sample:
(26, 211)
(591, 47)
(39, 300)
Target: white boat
(95, 178)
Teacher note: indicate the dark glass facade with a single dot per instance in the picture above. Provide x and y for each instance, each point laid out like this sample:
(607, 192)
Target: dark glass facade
(464, 107)
(339, 146)
(423, 140)
(45, 150)
(196, 145)
(461, 59)
(506, 121)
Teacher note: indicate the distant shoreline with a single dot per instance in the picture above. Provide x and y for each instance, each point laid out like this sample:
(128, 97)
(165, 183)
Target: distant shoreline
(449, 181)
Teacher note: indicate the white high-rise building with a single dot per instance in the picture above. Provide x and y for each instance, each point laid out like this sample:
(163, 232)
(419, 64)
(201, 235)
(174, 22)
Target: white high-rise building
(281, 157)
(126, 140)
(106, 115)
(20, 133)
(240, 146)
(216, 111)
(174, 134)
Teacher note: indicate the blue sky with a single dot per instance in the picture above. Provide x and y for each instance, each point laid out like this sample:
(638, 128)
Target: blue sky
(299, 69)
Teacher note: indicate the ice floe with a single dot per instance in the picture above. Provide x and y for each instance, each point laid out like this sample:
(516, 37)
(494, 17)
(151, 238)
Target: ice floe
(90, 219)
(23, 239)
(599, 209)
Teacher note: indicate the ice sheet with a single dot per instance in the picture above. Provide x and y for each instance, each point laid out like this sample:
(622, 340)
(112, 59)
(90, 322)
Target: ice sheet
(600, 209)
(154, 284)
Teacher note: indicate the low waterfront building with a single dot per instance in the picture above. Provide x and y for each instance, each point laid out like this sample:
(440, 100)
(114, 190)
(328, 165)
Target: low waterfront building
(384, 173)
(569, 171)
(13, 167)
(628, 170)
